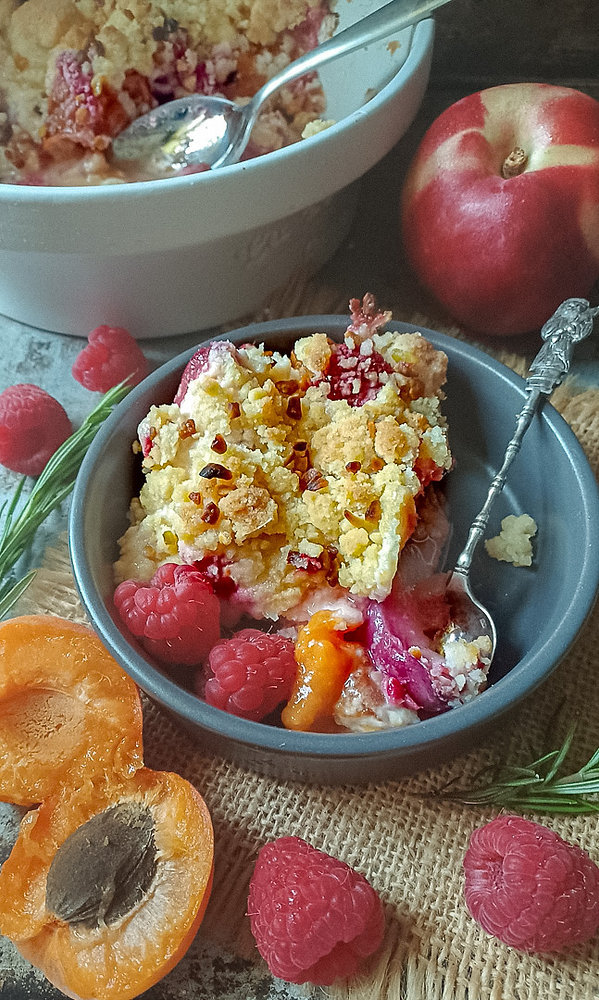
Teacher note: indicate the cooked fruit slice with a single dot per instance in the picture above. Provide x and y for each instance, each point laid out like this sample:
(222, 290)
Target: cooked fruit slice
(67, 709)
(324, 662)
(106, 885)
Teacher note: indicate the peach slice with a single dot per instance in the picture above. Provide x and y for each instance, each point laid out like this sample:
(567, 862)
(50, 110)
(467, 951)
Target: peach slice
(106, 885)
(68, 711)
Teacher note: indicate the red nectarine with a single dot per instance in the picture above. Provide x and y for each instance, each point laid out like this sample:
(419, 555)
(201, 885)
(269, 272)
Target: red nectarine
(500, 206)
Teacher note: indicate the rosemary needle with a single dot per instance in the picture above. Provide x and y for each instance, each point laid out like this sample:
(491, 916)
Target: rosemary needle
(535, 787)
(20, 519)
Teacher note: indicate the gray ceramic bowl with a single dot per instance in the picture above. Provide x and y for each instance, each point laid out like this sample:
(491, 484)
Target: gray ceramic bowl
(538, 610)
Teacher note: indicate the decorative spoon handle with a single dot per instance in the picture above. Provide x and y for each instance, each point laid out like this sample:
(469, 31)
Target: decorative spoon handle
(572, 321)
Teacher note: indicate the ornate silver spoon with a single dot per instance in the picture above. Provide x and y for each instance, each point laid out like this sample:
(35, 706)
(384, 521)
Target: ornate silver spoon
(572, 321)
(212, 131)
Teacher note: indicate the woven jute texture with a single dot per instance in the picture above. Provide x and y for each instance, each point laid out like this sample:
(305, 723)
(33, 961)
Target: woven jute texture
(409, 844)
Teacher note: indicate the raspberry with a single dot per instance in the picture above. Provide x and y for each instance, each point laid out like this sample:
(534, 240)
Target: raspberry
(176, 617)
(313, 917)
(529, 888)
(251, 673)
(204, 358)
(354, 376)
(77, 114)
(32, 426)
(111, 356)
(71, 92)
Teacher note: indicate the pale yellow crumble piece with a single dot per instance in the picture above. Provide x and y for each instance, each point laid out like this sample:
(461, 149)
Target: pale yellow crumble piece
(316, 126)
(514, 542)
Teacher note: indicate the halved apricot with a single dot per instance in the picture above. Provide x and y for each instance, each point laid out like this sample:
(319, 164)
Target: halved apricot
(106, 886)
(68, 711)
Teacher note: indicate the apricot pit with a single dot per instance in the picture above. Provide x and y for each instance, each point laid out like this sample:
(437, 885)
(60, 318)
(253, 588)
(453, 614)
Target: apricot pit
(104, 868)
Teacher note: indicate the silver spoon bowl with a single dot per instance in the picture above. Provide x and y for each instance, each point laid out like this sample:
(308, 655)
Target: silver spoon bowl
(201, 131)
(572, 321)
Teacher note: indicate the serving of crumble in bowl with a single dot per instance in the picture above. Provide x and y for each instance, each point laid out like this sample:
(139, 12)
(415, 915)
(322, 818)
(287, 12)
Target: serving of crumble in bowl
(83, 244)
(312, 478)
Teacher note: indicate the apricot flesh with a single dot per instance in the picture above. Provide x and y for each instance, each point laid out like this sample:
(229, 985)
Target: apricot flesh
(68, 711)
(324, 662)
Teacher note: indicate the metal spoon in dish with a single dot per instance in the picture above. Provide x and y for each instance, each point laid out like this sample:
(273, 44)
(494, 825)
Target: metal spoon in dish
(206, 131)
(572, 321)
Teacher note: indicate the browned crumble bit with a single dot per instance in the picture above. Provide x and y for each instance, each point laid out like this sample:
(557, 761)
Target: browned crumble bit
(353, 466)
(211, 513)
(377, 464)
(313, 480)
(331, 564)
(374, 511)
(214, 471)
(188, 429)
(287, 387)
(219, 445)
(294, 407)
(196, 498)
(299, 460)
(360, 522)
(234, 409)
(136, 448)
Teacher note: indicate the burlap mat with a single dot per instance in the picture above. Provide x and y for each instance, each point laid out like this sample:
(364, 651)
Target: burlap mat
(408, 845)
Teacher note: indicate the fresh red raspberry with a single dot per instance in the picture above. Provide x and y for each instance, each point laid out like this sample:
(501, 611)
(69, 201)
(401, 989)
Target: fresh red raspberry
(32, 426)
(313, 917)
(529, 888)
(250, 673)
(176, 616)
(111, 356)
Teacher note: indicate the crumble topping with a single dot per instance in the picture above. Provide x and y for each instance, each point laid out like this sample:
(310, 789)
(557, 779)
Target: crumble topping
(317, 489)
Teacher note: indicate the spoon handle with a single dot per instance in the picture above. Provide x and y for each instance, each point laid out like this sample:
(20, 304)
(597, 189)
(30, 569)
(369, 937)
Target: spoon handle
(572, 321)
(392, 17)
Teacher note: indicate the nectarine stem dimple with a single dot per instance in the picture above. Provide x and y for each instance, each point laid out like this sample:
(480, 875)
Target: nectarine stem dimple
(514, 163)
(104, 868)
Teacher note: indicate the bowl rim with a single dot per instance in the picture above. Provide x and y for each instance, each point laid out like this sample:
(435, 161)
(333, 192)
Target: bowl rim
(420, 40)
(524, 677)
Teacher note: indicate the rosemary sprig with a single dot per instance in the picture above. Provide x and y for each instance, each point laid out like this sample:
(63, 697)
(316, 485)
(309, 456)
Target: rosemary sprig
(535, 787)
(19, 521)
